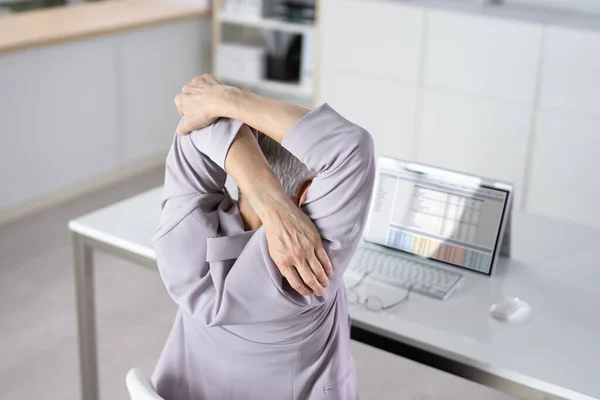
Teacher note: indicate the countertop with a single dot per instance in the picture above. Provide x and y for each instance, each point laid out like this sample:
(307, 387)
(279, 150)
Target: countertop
(59, 24)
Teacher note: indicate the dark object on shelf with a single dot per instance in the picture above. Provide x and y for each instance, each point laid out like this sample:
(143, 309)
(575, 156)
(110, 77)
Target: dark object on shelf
(29, 5)
(283, 56)
(295, 11)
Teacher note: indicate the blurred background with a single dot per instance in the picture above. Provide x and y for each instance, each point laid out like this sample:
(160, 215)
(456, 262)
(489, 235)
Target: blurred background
(503, 89)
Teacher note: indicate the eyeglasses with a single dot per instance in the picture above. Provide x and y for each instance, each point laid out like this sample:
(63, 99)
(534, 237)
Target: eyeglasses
(373, 303)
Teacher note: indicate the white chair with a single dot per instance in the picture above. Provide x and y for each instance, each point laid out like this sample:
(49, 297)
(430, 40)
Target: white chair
(139, 386)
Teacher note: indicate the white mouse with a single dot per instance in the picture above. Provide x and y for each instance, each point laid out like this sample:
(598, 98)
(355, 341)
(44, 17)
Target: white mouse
(511, 308)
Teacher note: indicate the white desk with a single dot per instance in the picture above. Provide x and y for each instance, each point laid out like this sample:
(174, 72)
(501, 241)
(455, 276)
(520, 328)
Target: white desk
(552, 355)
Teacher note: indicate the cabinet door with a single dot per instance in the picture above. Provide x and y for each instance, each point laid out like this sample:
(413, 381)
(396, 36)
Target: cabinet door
(386, 109)
(483, 55)
(58, 117)
(479, 136)
(380, 39)
(571, 72)
(565, 178)
(155, 63)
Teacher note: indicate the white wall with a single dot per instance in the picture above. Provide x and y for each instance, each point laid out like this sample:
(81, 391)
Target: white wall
(511, 100)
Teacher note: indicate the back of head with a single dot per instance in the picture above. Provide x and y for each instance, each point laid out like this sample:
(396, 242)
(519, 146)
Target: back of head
(292, 173)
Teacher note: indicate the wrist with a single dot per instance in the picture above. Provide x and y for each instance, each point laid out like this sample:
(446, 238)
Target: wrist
(268, 203)
(229, 102)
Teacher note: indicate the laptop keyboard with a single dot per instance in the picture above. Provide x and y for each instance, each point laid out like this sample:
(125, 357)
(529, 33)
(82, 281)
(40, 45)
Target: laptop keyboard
(424, 278)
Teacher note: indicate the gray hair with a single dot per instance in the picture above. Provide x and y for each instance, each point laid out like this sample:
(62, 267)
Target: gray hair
(292, 173)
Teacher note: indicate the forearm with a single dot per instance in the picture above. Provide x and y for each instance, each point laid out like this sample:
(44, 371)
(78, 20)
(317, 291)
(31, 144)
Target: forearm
(247, 166)
(272, 117)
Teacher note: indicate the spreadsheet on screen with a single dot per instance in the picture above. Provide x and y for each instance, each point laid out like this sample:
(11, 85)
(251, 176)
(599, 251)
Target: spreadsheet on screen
(445, 217)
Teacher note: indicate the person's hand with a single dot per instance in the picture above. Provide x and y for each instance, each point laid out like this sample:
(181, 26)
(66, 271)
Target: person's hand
(199, 102)
(296, 248)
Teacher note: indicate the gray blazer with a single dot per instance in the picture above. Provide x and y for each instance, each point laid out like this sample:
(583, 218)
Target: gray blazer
(241, 332)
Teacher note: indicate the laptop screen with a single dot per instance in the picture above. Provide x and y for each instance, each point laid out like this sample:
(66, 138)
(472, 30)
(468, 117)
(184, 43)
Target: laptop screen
(438, 214)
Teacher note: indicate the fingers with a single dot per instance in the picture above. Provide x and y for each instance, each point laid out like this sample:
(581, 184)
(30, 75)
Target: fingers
(206, 78)
(196, 102)
(318, 270)
(200, 79)
(183, 128)
(179, 103)
(294, 280)
(309, 278)
(324, 260)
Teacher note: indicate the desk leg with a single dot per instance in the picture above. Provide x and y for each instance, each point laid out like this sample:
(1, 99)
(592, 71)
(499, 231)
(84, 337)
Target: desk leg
(86, 317)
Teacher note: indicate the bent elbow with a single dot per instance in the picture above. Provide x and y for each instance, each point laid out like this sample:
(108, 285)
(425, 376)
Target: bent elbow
(364, 147)
(365, 143)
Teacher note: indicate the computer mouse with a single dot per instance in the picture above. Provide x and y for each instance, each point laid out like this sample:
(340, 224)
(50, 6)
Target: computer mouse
(511, 308)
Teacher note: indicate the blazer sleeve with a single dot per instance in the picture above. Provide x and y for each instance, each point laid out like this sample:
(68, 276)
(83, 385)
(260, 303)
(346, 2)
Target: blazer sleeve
(195, 172)
(341, 155)
(193, 193)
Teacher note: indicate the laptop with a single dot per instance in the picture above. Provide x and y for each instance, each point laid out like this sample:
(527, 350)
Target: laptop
(426, 224)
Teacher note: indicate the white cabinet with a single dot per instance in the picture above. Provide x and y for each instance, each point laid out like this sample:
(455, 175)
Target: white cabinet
(381, 39)
(58, 117)
(571, 71)
(483, 55)
(474, 135)
(386, 109)
(461, 90)
(73, 111)
(565, 181)
(155, 63)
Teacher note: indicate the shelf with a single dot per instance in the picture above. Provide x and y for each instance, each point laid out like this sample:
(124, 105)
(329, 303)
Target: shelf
(290, 89)
(266, 23)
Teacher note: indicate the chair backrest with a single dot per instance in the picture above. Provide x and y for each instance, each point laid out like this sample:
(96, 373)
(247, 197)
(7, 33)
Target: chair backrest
(139, 386)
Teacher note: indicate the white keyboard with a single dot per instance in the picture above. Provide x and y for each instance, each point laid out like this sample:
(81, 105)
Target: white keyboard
(402, 272)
